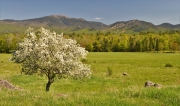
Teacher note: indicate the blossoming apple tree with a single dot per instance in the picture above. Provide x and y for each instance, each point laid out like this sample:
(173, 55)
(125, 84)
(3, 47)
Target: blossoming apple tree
(49, 53)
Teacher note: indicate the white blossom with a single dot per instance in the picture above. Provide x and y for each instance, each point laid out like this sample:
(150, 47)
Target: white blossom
(50, 53)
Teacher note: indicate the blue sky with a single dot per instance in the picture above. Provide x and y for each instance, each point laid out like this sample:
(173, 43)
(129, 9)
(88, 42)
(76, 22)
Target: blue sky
(105, 11)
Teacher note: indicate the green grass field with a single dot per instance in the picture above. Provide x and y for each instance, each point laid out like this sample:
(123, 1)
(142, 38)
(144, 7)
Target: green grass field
(106, 87)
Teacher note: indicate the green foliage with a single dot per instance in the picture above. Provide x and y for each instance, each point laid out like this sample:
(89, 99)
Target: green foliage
(109, 41)
(8, 42)
(142, 42)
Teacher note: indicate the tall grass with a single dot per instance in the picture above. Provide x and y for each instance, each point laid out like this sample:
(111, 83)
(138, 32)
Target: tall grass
(106, 87)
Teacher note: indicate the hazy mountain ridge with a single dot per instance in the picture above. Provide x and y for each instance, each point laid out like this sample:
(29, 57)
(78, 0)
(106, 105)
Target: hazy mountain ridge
(64, 22)
(133, 25)
(59, 21)
(168, 25)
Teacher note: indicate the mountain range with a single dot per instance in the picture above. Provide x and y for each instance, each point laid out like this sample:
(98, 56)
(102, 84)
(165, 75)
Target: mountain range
(61, 23)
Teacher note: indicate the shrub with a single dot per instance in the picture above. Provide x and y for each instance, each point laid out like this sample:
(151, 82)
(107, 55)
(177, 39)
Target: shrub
(84, 60)
(168, 65)
(109, 72)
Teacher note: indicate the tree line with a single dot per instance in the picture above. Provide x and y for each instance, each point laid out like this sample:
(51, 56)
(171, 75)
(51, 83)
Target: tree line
(8, 41)
(109, 41)
(142, 42)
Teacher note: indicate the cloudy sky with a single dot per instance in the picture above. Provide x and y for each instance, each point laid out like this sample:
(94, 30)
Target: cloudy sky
(105, 11)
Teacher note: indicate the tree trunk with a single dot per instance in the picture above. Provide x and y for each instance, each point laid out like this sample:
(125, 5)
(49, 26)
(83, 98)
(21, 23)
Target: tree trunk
(50, 80)
(48, 85)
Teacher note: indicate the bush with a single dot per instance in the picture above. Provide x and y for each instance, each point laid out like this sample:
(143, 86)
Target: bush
(168, 65)
(84, 60)
(109, 71)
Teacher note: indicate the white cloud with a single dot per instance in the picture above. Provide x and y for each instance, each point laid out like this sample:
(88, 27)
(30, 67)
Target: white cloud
(97, 18)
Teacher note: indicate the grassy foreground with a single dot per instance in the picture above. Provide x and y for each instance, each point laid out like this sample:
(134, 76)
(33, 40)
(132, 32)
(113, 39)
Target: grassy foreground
(106, 87)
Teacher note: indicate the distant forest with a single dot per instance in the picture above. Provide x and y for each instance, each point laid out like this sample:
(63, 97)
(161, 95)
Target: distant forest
(100, 41)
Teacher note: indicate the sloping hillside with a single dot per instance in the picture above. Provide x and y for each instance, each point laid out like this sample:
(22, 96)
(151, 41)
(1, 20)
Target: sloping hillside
(132, 25)
(52, 22)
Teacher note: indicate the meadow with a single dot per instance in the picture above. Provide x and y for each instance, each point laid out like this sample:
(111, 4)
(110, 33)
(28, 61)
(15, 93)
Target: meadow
(106, 87)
